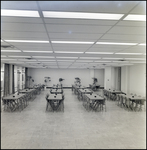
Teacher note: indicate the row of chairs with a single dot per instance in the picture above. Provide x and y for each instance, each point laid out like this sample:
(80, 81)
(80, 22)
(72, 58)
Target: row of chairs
(130, 105)
(94, 105)
(55, 105)
(14, 105)
(19, 104)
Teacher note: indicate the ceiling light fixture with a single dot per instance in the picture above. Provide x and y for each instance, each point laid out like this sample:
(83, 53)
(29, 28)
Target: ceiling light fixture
(80, 15)
(129, 53)
(102, 61)
(99, 52)
(120, 61)
(68, 57)
(84, 61)
(19, 13)
(111, 58)
(21, 56)
(90, 57)
(37, 51)
(43, 56)
(46, 60)
(135, 58)
(135, 17)
(11, 51)
(27, 41)
(142, 44)
(138, 62)
(67, 52)
(71, 42)
(112, 43)
(65, 60)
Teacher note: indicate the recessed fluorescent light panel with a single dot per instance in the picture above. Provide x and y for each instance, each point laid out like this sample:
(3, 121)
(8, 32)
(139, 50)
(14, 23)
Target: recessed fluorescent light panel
(27, 41)
(142, 44)
(79, 15)
(46, 60)
(102, 61)
(43, 56)
(99, 52)
(17, 62)
(120, 61)
(90, 57)
(138, 62)
(26, 60)
(129, 53)
(135, 17)
(135, 58)
(68, 57)
(112, 43)
(11, 51)
(111, 58)
(71, 42)
(19, 13)
(65, 60)
(21, 56)
(84, 61)
(37, 63)
(38, 51)
(68, 52)
(9, 59)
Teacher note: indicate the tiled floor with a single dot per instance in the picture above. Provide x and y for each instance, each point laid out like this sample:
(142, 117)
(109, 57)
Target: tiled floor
(75, 128)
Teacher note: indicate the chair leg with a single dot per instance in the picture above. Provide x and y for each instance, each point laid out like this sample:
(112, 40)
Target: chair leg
(47, 106)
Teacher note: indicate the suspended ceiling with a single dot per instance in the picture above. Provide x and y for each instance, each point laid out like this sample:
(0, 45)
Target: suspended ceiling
(95, 43)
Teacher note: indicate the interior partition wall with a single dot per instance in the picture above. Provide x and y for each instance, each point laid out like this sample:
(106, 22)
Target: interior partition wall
(133, 79)
(112, 78)
(2, 79)
(69, 75)
(6, 79)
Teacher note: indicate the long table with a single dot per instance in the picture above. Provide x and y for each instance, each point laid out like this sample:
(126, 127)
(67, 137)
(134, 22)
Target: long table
(55, 101)
(112, 94)
(56, 91)
(94, 102)
(94, 87)
(30, 92)
(58, 86)
(14, 102)
(76, 87)
(83, 91)
(38, 88)
(132, 99)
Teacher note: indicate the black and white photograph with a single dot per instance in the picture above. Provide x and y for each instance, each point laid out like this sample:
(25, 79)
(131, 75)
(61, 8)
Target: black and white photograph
(73, 75)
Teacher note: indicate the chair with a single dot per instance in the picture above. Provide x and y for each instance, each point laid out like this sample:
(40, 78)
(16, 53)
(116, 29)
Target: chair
(103, 104)
(118, 100)
(142, 103)
(4, 102)
(127, 103)
(46, 97)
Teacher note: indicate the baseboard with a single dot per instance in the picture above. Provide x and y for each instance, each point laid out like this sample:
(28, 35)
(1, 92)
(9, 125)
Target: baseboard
(71, 87)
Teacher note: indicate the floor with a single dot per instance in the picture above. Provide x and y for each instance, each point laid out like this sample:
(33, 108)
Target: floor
(75, 128)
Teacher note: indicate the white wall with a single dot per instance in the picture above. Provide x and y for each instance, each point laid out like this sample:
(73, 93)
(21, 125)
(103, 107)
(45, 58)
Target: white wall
(68, 74)
(10, 76)
(113, 78)
(134, 78)
(99, 74)
(107, 78)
